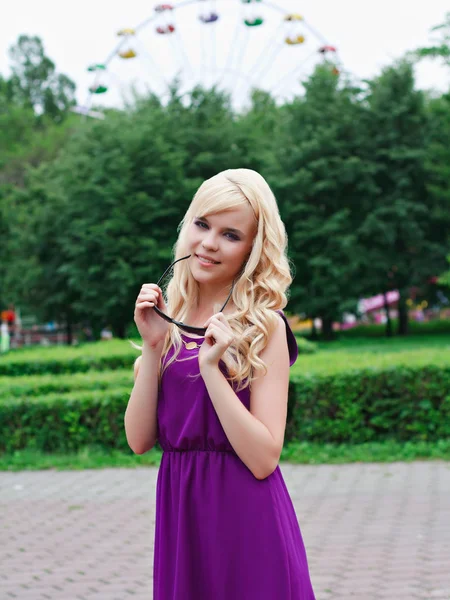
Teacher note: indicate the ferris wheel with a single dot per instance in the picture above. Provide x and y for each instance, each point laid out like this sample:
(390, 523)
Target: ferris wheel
(234, 45)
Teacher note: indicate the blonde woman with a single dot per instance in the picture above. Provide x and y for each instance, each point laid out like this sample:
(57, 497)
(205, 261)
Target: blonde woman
(211, 386)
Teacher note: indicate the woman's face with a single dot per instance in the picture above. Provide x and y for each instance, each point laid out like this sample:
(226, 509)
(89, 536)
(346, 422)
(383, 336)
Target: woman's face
(225, 237)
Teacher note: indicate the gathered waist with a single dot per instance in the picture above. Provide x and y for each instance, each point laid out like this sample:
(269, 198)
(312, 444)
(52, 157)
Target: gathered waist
(203, 450)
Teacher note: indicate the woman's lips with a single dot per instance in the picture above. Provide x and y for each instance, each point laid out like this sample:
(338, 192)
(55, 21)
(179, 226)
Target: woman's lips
(206, 264)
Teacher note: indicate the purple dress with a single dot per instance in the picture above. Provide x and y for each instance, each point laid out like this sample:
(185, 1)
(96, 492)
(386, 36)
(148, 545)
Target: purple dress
(220, 533)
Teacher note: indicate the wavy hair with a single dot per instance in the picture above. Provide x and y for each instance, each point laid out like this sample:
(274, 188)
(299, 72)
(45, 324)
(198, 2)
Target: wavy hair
(260, 287)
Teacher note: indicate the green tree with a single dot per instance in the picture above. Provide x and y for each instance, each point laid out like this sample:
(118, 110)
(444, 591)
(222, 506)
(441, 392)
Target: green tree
(438, 181)
(440, 46)
(323, 187)
(37, 222)
(113, 196)
(444, 279)
(395, 232)
(438, 175)
(35, 83)
(114, 199)
(34, 117)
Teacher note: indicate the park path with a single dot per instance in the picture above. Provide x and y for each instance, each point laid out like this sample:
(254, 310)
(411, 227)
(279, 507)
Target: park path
(372, 531)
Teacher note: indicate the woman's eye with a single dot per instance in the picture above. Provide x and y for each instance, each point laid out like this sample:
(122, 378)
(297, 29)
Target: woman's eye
(233, 237)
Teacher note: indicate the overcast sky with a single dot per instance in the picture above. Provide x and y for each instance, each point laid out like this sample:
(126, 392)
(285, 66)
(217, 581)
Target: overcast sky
(368, 35)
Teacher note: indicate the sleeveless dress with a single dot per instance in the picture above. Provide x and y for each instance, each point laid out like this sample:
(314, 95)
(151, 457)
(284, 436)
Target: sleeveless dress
(220, 533)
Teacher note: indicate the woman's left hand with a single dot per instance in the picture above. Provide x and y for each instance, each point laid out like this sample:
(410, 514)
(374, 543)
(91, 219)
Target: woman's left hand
(218, 337)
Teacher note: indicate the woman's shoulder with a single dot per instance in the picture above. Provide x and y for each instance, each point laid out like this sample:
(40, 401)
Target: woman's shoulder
(278, 312)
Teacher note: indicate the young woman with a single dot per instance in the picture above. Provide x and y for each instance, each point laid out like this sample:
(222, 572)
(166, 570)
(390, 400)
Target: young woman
(211, 387)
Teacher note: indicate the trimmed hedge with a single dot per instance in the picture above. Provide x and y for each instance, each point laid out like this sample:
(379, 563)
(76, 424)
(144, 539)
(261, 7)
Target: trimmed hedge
(356, 406)
(399, 403)
(65, 422)
(40, 385)
(58, 366)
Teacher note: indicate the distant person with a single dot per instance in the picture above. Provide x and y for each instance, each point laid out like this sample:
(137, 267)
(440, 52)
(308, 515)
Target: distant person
(9, 316)
(4, 336)
(106, 334)
(226, 527)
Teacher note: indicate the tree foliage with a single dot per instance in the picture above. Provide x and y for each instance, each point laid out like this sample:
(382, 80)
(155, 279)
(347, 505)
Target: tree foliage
(440, 46)
(35, 83)
(90, 210)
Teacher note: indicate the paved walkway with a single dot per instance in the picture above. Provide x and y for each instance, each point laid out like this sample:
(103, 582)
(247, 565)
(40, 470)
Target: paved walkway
(371, 531)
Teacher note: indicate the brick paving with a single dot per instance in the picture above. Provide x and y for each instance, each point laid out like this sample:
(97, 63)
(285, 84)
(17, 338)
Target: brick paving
(372, 531)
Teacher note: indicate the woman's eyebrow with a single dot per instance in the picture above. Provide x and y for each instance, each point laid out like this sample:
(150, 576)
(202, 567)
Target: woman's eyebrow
(224, 228)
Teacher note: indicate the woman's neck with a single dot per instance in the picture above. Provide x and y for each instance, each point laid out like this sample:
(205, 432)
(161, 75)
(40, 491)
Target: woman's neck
(198, 316)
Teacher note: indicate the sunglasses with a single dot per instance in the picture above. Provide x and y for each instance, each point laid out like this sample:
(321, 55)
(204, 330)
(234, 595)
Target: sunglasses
(188, 328)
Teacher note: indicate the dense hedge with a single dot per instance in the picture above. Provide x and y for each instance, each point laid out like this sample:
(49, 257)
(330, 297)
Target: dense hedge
(40, 385)
(65, 422)
(400, 403)
(57, 366)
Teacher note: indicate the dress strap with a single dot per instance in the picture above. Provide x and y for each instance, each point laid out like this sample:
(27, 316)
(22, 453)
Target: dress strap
(291, 340)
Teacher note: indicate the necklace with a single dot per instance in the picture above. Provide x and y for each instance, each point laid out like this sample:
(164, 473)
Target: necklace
(190, 345)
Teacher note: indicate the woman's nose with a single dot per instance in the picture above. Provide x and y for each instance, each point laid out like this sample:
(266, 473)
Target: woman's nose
(210, 243)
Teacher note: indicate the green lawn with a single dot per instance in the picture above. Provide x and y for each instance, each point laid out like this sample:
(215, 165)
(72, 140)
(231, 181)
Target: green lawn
(358, 353)
(304, 453)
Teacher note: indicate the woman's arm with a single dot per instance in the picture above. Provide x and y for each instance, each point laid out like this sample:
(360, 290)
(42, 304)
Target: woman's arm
(257, 435)
(140, 415)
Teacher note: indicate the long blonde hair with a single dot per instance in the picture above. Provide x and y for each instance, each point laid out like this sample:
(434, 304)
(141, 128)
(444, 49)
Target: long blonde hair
(260, 288)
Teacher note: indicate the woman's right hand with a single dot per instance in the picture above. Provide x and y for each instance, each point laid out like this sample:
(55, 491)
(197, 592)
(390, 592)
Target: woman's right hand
(151, 326)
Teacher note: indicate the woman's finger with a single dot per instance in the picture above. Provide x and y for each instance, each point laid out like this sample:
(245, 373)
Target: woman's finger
(222, 323)
(144, 304)
(147, 296)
